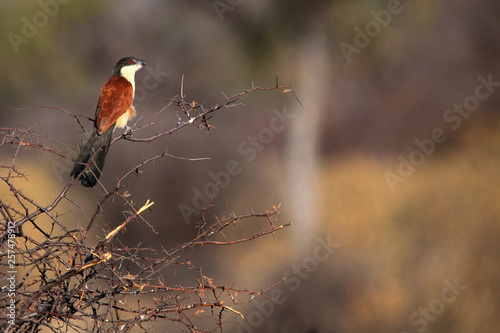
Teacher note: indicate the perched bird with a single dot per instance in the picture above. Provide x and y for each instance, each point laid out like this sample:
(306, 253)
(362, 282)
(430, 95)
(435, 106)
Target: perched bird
(114, 109)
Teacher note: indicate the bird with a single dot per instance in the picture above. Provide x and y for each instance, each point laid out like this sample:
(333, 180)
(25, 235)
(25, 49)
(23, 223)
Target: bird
(114, 109)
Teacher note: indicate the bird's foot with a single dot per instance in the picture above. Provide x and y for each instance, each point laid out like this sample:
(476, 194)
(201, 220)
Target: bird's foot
(128, 131)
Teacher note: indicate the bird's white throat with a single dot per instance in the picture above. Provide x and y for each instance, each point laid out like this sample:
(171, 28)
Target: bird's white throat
(128, 72)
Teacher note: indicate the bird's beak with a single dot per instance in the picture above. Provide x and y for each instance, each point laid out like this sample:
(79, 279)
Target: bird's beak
(142, 62)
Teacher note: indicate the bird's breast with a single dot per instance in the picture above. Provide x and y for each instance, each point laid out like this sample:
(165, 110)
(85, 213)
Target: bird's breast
(124, 118)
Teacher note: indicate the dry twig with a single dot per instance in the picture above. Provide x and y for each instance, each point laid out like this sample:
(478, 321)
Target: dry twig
(67, 282)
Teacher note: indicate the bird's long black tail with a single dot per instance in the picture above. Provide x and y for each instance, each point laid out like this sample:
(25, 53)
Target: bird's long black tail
(95, 150)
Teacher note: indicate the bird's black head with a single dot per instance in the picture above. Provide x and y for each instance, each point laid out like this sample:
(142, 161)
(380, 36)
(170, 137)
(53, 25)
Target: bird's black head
(133, 62)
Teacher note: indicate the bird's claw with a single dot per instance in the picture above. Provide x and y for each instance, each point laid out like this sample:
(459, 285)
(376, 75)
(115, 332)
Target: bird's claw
(128, 131)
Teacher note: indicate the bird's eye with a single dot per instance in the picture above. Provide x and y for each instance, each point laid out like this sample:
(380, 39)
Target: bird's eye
(131, 61)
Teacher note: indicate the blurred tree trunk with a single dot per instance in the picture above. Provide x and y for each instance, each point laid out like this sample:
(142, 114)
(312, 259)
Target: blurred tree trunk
(303, 137)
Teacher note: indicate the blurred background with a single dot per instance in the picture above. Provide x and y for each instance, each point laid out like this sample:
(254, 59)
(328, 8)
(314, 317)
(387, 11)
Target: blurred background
(389, 172)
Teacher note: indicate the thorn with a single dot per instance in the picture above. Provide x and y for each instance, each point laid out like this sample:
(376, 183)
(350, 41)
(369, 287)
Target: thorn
(182, 86)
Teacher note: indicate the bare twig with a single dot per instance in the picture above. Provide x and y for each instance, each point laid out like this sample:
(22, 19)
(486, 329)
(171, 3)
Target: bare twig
(66, 281)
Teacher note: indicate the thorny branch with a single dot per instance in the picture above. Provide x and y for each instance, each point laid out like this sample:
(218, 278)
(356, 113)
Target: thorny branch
(65, 280)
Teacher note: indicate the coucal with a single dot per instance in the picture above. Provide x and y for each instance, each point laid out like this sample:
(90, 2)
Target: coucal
(114, 109)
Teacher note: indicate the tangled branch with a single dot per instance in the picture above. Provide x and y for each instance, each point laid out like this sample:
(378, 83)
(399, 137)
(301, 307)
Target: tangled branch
(64, 280)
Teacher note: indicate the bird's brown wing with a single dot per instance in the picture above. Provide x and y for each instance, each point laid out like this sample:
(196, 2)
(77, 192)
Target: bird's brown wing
(115, 99)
